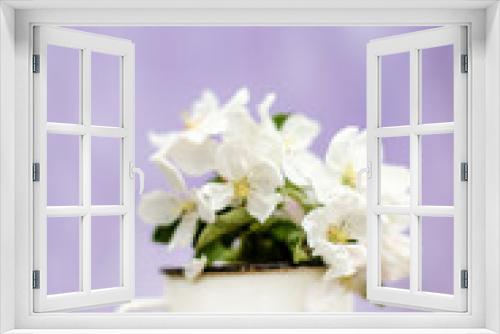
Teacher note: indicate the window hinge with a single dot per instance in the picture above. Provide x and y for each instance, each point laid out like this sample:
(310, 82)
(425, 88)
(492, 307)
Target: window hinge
(36, 64)
(36, 279)
(36, 172)
(465, 64)
(464, 171)
(464, 279)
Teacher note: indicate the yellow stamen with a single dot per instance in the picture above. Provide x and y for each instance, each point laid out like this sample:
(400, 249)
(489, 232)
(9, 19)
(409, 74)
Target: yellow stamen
(337, 235)
(241, 188)
(188, 207)
(189, 122)
(349, 176)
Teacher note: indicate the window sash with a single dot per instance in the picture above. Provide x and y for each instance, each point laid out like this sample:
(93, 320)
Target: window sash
(87, 43)
(413, 43)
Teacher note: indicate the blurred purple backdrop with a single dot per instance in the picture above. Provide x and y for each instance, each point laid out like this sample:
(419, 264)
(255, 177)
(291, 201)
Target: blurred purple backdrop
(319, 71)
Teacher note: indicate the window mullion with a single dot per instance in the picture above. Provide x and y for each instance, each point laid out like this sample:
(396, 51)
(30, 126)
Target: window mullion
(85, 251)
(414, 171)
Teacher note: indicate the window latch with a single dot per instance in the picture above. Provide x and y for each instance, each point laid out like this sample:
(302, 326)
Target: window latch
(367, 170)
(133, 170)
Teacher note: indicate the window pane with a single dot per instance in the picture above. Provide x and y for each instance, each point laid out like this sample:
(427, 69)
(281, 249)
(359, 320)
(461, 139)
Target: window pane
(437, 254)
(106, 170)
(437, 84)
(394, 171)
(63, 84)
(437, 169)
(394, 251)
(106, 252)
(63, 169)
(106, 89)
(63, 255)
(395, 89)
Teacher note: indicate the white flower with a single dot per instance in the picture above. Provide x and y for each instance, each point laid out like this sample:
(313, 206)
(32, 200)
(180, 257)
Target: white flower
(345, 158)
(204, 119)
(195, 267)
(331, 228)
(248, 180)
(287, 148)
(337, 232)
(293, 140)
(192, 158)
(193, 148)
(188, 205)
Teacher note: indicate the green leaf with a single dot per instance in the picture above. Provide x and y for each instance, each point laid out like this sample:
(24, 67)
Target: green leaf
(230, 223)
(297, 194)
(262, 248)
(163, 233)
(300, 252)
(279, 119)
(217, 179)
(294, 237)
(216, 251)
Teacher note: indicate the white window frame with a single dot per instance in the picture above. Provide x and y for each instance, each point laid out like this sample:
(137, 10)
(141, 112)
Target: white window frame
(482, 16)
(86, 44)
(412, 44)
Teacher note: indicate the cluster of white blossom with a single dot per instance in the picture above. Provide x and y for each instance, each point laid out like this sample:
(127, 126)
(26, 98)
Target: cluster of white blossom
(253, 158)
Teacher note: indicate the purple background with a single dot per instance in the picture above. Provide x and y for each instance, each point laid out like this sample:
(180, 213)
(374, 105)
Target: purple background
(319, 71)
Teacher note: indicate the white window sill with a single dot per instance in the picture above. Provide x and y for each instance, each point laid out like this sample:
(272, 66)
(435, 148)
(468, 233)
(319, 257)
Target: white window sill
(253, 331)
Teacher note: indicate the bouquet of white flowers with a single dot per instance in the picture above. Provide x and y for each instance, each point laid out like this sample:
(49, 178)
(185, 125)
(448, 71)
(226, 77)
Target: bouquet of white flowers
(268, 198)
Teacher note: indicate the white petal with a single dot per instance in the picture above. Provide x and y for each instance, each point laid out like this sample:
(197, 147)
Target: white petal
(214, 124)
(348, 146)
(237, 103)
(316, 224)
(395, 184)
(207, 117)
(195, 135)
(261, 206)
(214, 197)
(267, 145)
(231, 161)
(184, 233)
(193, 159)
(395, 256)
(207, 104)
(325, 185)
(397, 223)
(163, 141)
(205, 212)
(264, 177)
(159, 207)
(301, 167)
(172, 174)
(342, 260)
(263, 111)
(349, 208)
(239, 126)
(241, 97)
(194, 268)
(299, 132)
